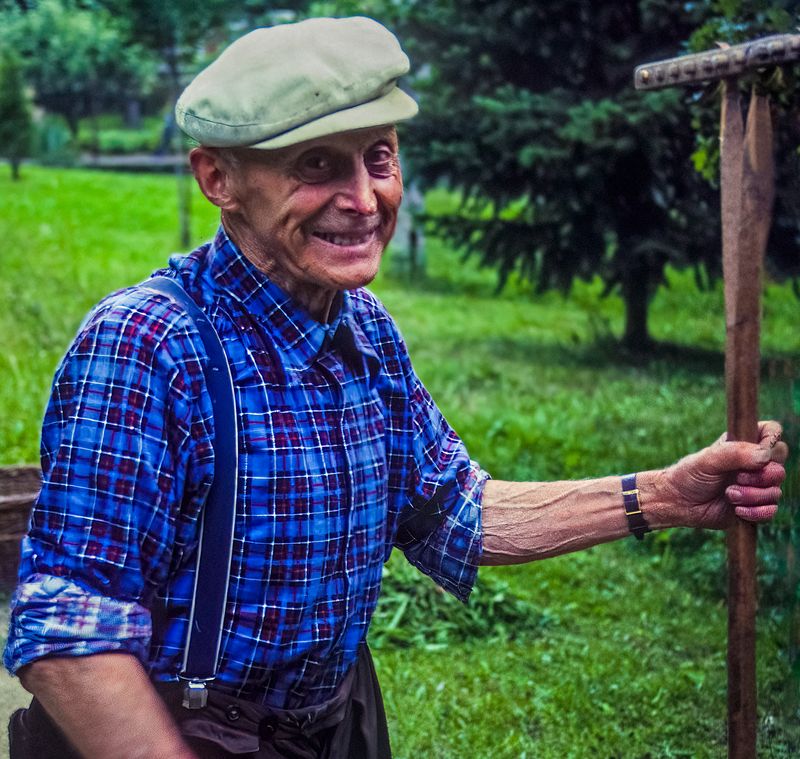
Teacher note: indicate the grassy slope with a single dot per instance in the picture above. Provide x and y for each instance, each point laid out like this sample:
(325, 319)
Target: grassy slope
(632, 662)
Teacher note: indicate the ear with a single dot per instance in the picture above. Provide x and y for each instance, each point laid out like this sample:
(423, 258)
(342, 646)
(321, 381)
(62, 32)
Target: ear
(213, 175)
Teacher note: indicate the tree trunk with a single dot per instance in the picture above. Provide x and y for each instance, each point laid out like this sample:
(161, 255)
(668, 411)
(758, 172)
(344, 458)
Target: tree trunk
(133, 113)
(15, 162)
(95, 126)
(184, 181)
(636, 295)
(72, 122)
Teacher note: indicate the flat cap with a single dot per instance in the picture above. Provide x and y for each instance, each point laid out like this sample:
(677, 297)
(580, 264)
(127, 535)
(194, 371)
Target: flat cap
(281, 85)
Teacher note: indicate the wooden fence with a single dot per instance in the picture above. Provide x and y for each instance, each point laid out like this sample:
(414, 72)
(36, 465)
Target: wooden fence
(19, 486)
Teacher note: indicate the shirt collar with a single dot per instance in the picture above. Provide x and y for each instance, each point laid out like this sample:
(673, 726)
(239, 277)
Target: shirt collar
(299, 336)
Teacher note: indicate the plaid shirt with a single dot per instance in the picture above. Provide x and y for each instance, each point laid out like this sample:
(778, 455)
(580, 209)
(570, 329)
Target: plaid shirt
(342, 455)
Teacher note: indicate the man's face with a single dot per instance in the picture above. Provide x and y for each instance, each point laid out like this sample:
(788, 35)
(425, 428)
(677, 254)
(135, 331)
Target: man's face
(319, 215)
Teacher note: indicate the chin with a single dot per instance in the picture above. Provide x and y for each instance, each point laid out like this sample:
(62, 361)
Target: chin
(349, 270)
(352, 280)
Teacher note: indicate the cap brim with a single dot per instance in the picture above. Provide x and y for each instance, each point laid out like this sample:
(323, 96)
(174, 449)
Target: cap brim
(390, 108)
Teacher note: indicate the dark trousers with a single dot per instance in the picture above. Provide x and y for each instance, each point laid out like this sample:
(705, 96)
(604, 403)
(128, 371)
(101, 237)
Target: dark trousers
(352, 725)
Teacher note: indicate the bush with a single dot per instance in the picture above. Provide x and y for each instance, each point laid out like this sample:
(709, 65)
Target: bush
(15, 113)
(413, 611)
(121, 141)
(112, 138)
(53, 143)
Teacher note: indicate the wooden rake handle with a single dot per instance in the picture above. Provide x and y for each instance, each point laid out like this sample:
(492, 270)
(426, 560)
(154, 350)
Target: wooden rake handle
(747, 187)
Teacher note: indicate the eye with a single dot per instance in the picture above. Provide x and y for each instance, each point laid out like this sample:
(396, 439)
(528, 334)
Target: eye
(381, 161)
(315, 166)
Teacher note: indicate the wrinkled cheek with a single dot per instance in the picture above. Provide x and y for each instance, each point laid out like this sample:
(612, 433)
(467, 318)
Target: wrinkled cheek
(392, 198)
(389, 229)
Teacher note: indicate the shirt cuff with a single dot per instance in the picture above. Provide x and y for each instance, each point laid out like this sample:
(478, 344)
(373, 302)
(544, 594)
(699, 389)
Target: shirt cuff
(53, 616)
(451, 554)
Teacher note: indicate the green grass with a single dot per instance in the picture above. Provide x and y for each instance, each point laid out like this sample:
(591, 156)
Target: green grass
(69, 238)
(624, 653)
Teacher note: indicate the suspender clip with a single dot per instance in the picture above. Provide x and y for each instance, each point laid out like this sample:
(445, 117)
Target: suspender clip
(195, 694)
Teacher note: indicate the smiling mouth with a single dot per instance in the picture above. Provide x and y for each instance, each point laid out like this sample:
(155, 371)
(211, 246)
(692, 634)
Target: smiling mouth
(345, 240)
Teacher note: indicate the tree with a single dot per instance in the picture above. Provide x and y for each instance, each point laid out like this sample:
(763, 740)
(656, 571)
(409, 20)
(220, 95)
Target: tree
(736, 21)
(16, 125)
(170, 31)
(528, 111)
(182, 33)
(77, 58)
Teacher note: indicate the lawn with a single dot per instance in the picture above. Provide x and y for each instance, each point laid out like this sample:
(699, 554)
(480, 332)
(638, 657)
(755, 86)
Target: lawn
(623, 651)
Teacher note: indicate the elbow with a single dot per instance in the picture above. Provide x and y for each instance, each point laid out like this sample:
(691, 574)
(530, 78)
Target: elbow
(30, 676)
(65, 674)
(45, 674)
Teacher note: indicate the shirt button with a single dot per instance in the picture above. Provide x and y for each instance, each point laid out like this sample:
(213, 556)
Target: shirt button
(232, 713)
(267, 727)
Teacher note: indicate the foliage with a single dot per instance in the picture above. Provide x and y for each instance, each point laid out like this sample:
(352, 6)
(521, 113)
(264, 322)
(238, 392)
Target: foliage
(112, 137)
(77, 58)
(176, 31)
(170, 31)
(736, 21)
(418, 613)
(565, 172)
(84, 57)
(122, 141)
(16, 125)
(53, 142)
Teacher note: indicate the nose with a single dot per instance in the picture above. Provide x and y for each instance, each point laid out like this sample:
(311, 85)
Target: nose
(357, 195)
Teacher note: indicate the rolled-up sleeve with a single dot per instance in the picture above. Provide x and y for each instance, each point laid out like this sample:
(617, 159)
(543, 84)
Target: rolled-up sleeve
(118, 493)
(55, 616)
(440, 529)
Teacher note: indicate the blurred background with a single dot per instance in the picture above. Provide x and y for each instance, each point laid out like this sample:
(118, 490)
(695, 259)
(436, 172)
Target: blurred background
(556, 274)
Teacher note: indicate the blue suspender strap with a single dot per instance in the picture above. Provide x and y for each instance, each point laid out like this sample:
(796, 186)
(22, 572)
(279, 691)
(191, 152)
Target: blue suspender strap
(215, 544)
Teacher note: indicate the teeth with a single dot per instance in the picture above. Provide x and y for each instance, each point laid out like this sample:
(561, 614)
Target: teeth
(342, 239)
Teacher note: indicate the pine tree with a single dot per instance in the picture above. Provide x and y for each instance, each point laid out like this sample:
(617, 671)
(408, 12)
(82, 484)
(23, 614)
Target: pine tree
(16, 125)
(527, 109)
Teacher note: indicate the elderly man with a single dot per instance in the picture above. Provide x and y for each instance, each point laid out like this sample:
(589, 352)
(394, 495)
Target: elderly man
(342, 454)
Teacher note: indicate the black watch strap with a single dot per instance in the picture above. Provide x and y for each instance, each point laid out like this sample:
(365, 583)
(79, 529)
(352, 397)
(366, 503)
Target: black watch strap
(637, 524)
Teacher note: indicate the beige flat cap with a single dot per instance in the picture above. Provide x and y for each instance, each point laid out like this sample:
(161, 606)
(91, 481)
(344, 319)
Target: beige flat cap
(282, 85)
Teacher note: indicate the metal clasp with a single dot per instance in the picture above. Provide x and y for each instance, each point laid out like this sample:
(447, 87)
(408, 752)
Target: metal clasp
(195, 694)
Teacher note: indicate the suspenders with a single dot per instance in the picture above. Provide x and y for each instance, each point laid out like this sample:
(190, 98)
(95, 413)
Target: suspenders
(215, 543)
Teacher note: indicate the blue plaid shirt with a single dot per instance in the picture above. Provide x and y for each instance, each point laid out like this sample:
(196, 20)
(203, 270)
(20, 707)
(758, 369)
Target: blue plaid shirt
(342, 455)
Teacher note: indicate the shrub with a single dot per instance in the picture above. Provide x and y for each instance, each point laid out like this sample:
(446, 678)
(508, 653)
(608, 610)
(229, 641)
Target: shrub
(53, 144)
(413, 611)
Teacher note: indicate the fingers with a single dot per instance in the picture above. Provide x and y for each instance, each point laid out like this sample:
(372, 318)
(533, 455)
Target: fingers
(772, 474)
(728, 456)
(747, 496)
(769, 436)
(756, 494)
(780, 452)
(756, 513)
(769, 432)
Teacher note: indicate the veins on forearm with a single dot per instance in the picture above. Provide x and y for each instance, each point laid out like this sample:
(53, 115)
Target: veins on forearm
(525, 521)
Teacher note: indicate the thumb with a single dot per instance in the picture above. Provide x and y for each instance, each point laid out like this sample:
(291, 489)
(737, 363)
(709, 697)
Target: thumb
(733, 456)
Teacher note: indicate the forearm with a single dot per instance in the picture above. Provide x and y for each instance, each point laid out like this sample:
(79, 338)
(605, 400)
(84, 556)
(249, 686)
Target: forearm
(524, 521)
(106, 706)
